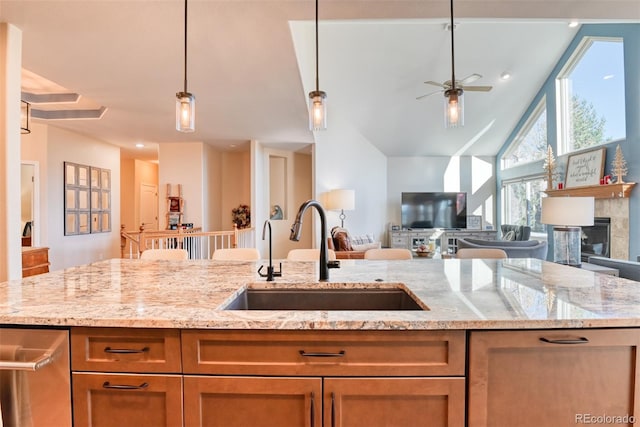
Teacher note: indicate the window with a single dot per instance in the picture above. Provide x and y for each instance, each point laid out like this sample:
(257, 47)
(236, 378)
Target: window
(522, 205)
(590, 94)
(530, 144)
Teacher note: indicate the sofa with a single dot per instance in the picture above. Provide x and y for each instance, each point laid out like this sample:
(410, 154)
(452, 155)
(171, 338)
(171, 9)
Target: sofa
(515, 232)
(347, 247)
(627, 269)
(513, 248)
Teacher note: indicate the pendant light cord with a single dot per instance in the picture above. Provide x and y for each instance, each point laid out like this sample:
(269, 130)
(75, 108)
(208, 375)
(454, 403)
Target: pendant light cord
(453, 73)
(185, 46)
(317, 67)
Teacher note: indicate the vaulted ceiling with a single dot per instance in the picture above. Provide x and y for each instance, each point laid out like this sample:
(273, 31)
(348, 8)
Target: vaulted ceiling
(251, 65)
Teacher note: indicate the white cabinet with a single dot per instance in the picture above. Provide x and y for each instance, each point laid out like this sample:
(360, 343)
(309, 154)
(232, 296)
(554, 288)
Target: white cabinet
(449, 238)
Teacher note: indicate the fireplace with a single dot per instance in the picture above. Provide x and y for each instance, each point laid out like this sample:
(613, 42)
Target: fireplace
(595, 238)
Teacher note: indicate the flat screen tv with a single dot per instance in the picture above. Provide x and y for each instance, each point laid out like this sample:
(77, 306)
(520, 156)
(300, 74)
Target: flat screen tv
(434, 210)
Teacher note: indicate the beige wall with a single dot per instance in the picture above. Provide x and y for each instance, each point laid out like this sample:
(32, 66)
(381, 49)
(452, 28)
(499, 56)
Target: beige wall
(182, 163)
(236, 186)
(127, 194)
(10, 236)
(66, 251)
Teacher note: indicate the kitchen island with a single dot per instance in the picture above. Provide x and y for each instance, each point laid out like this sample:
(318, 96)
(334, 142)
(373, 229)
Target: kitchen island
(503, 342)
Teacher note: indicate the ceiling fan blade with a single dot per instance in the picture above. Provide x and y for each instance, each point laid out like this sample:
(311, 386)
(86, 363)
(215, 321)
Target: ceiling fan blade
(444, 86)
(428, 94)
(469, 79)
(477, 88)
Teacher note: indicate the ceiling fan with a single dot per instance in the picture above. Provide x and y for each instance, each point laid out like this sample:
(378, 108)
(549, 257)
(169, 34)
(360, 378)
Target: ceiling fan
(454, 89)
(460, 84)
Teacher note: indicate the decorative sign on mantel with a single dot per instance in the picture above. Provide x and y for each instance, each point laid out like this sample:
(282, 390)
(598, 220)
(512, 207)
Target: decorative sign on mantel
(585, 168)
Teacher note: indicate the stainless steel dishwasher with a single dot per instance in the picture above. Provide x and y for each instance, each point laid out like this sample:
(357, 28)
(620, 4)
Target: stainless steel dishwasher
(34, 378)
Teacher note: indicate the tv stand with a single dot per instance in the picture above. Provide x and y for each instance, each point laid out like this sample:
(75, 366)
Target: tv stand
(412, 238)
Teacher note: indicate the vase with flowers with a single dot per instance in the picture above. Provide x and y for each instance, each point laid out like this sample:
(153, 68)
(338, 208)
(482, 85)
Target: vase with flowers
(241, 216)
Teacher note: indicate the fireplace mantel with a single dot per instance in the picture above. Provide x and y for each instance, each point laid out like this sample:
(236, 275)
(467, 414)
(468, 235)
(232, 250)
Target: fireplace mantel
(607, 191)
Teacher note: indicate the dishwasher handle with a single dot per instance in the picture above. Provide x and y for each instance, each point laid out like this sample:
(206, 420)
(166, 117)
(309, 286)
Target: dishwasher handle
(31, 365)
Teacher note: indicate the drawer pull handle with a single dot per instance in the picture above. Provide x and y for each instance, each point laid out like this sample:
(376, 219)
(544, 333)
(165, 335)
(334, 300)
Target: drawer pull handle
(125, 350)
(142, 386)
(341, 353)
(313, 410)
(579, 340)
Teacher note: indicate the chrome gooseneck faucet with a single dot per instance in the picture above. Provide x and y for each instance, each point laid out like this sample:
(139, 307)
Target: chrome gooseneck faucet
(296, 229)
(270, 270)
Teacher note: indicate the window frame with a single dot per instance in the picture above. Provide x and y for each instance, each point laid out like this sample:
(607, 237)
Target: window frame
(532, 119)
(563, 95)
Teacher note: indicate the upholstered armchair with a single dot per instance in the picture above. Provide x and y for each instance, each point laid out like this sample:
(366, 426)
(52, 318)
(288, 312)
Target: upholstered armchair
(515, 232)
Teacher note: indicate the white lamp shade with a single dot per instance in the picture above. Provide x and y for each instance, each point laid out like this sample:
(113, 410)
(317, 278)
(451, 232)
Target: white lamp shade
(570, 211)
(342, 200)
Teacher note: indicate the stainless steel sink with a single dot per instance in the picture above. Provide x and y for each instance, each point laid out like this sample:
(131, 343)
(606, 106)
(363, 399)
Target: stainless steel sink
(325, 299)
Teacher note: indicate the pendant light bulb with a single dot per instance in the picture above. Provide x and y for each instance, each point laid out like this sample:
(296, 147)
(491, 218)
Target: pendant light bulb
(185, 112)
(317, 110)
(185, 101)
(453, 108)
(317, 98)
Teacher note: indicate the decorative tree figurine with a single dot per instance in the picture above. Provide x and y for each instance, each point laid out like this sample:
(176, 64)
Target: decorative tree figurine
(619, 166)
(549, 167)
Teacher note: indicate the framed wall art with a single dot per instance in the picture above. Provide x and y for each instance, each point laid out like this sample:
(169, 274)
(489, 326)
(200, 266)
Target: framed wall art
(87, 199)
(474, 222)
(585, 168)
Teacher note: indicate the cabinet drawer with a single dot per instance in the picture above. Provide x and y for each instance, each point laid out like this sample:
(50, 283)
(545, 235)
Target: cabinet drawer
(125, 350)
(366, 353)
(126, 400)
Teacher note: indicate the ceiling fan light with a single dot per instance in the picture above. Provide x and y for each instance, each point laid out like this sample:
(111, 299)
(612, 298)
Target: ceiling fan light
(185, 112)
(317, 110)
(453, 108)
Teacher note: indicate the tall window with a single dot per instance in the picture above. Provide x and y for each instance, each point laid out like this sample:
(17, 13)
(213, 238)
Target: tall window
(522, 205)
(590, 94)
(531, 142)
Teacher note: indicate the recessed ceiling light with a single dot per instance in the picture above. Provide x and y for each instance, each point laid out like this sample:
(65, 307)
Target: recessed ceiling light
(139, 145)
(608, 77)
(505, 75)
(573, 24)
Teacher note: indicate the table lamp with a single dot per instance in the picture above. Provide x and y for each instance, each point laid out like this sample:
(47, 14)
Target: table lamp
(341, 200)
(567, 215)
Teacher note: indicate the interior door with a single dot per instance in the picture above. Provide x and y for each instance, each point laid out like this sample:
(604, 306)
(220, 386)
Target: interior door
(149, 206)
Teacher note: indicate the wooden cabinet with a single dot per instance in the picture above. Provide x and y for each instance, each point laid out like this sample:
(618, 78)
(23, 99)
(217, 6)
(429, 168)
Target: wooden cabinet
(116, 400)
(116, 377)
(34, 261)
(383, 402)
(252, 401)
(552, 377)
(335, 378)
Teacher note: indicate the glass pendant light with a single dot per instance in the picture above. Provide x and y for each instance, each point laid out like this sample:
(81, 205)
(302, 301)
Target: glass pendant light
(317, 98)
(454, 97)
(185, 101)
(453, 108)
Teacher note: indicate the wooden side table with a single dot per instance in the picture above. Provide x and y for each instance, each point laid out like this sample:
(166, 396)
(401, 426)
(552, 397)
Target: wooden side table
(34, 261)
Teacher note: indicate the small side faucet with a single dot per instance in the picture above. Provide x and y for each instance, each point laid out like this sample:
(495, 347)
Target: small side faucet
(271, 273)
(296, 230)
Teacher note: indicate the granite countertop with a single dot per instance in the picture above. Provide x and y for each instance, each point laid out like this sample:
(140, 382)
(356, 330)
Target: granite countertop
(460, 294)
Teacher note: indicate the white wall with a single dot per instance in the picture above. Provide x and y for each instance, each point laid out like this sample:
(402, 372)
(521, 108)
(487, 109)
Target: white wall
(66, 251)
(474, 175)
(345, 159)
